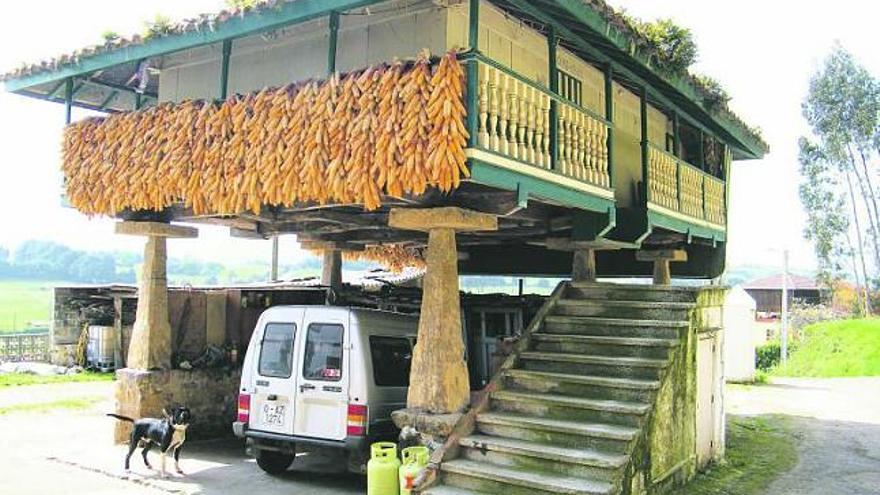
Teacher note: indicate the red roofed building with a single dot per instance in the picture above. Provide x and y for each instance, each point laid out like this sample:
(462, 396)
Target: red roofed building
(767, 291)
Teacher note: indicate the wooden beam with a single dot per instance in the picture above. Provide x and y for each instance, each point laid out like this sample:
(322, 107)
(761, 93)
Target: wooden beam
(662, 254)
(566, 244)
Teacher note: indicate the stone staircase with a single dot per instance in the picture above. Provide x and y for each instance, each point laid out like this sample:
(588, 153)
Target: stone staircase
(567, 413)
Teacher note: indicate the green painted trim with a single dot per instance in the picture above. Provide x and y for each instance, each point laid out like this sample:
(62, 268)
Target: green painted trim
(656, 219)
(52, 92)
(643, 113)
(333, 42)
(590, 17)
(467, 57)
(474, 25)
(502, 178)
(676, 135)
(138, 101)
(112, 96)
(68, 100)
(285, 14)
(472, 102)
(746, 143)
(224, 69)
(609, 116)
(552, 46)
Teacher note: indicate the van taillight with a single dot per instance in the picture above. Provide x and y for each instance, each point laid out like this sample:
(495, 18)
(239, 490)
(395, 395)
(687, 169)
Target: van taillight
(357, 420)
(244, 407)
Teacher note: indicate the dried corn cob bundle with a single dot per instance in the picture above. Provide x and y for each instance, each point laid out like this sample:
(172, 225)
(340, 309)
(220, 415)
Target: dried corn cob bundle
(448, 136)
(391, 130)
(393, 257)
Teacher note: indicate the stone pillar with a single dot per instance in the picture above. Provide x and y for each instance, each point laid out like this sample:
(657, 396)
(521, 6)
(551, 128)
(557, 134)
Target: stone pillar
(331, 269)
(661, 259)
(439, 378)
(584, 265)
(149, 351)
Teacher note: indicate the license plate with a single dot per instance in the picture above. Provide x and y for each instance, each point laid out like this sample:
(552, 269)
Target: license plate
(273, 414)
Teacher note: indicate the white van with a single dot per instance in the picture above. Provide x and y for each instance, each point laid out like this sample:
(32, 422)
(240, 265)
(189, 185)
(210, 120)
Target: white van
(323, 376)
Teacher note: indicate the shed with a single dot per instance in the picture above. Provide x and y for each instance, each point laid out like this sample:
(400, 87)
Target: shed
(767, 291)
(739, 342)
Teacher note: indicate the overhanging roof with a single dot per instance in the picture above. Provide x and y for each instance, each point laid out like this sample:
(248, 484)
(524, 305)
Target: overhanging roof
(588, 27)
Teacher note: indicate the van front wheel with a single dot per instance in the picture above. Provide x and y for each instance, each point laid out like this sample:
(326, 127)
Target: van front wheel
(274, 462)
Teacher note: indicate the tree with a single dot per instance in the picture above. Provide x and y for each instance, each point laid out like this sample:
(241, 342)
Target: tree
(841, 161)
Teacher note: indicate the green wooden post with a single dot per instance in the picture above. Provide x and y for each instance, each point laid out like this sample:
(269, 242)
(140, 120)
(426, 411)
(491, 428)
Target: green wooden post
(552, 43)
(138, 101)
(68, 100)
(334, 40)
(676, 136)
(643, 100)
(224, 68)
(473, 74)
(676, 150)
(474, 26)
(609, 116)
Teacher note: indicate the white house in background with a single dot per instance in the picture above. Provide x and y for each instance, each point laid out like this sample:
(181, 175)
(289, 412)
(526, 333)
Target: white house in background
(739, 341)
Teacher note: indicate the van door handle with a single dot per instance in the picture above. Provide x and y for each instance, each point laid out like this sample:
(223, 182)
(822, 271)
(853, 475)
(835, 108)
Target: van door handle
(307, 386)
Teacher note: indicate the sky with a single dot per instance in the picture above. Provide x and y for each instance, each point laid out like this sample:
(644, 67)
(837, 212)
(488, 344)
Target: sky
(763, 52)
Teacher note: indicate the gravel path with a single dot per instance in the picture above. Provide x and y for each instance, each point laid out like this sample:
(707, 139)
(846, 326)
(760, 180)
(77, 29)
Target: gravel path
(837, 422)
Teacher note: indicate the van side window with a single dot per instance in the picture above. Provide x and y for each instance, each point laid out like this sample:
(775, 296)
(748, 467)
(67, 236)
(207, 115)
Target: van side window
(276, 350)
(392, 357)
(323, 354)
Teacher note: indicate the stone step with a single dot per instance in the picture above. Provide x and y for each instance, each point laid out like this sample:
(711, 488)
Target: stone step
(554, 406)
(599, 436)
(593, 386)
(579, 462)
(468, 474)
(603, 345)
(618, 327)
(588, 364)
(676, 311)
(450, 490)
(605, 291)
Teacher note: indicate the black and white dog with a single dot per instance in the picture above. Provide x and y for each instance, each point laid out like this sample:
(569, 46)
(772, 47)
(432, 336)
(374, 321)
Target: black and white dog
(168, 434)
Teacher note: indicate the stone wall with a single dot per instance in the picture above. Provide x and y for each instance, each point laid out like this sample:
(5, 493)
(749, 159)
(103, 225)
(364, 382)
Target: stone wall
(211, 395)
(667, 456)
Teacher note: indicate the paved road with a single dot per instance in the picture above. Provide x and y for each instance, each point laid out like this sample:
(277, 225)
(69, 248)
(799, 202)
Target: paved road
(71, 452)
(837, 422)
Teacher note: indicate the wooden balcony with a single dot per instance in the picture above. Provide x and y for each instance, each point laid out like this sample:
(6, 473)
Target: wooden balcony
(519, 126)
(680, 190)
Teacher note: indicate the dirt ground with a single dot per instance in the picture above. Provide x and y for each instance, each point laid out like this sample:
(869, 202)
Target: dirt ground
(71, 451)
(836, 421)
(837, 424)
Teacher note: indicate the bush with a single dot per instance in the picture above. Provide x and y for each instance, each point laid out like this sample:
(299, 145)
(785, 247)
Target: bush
(767, 356)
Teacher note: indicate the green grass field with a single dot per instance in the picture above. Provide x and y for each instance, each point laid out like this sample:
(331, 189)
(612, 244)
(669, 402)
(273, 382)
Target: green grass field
(23, 301)
(19, 379)
(836, 349)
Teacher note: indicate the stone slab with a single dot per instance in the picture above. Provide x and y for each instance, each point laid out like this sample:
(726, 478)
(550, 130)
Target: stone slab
(156, 229)
(425, 219)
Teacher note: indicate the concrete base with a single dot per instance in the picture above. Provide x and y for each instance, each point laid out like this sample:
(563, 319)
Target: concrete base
(210, 394)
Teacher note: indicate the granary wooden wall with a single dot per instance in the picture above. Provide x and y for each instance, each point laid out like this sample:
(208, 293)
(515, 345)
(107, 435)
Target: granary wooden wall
(400, 29)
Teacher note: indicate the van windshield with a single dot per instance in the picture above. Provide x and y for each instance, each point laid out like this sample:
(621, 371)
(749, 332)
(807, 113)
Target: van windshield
(276, 351)
(392, 357)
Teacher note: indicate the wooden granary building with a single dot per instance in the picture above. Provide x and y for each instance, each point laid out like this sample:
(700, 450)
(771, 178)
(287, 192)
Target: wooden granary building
(515, 137)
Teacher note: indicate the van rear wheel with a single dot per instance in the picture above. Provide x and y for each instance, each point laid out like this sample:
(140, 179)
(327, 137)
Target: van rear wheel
(274, 462)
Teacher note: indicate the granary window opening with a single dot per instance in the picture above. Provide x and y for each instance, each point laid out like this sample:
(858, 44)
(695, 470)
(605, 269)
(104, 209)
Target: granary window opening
(700, 150)
(571, 88)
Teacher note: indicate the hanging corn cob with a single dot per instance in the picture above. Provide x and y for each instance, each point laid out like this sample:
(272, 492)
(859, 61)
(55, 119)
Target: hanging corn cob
(387, 130)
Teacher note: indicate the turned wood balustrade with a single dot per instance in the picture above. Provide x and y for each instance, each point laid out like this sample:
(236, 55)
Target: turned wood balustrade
(679, 186)
(514, 121)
